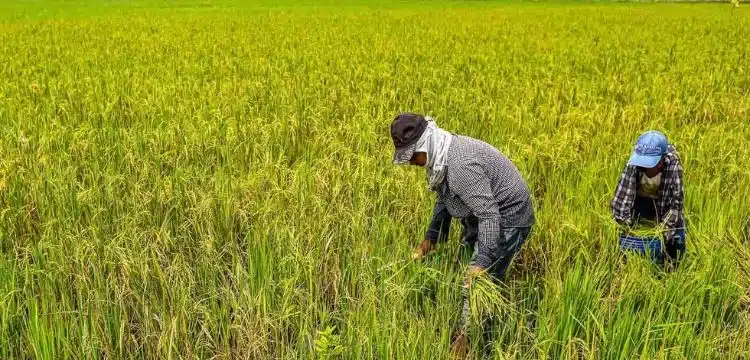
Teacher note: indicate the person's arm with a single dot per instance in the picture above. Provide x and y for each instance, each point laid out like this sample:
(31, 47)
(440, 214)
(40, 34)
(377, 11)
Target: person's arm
(473, 187)
(440, 225)
(676, 200)
(622, 203)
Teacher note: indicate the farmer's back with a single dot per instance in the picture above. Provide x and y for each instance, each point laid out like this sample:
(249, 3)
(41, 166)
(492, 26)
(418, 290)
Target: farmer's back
(470, 157)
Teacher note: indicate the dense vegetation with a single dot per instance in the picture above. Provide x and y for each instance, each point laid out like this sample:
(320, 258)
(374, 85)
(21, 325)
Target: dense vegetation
(215, 181)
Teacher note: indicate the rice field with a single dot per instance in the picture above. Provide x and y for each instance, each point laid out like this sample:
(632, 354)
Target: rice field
(195, 180)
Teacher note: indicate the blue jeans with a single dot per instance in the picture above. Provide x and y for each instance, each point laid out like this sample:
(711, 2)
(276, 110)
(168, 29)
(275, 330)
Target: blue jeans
(510, 243)
(674, 248)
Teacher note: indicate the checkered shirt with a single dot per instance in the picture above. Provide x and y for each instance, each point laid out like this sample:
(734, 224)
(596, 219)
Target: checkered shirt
(671, 197)
(482, 182)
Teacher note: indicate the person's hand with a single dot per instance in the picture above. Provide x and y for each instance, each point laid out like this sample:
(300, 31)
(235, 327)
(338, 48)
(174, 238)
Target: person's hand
(669, 236)
(422, 250)
(473, 272)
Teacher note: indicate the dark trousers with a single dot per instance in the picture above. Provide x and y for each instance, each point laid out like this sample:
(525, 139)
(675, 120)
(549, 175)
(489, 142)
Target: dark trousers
(510, 243)
(674, 248)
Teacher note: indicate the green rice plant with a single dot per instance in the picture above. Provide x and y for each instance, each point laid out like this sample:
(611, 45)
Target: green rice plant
(213, 180)
(646, 229)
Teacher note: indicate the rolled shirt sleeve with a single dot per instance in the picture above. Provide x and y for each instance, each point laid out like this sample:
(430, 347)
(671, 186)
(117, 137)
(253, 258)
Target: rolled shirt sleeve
(622, 203)
(676, 201)
(440, 225)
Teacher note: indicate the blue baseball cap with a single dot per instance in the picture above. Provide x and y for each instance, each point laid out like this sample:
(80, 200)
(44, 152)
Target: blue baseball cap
(649, 149)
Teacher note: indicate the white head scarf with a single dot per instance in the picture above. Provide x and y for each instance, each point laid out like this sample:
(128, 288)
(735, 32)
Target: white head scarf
(435, 142)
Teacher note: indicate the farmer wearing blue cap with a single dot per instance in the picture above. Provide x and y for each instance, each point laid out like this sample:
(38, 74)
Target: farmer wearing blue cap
(474, 182)
(650, 188)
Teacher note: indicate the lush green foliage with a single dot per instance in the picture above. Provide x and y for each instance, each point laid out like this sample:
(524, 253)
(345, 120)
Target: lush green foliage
(216, 182)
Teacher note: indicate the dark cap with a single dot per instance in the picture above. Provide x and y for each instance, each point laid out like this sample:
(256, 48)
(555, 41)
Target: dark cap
(406, 129)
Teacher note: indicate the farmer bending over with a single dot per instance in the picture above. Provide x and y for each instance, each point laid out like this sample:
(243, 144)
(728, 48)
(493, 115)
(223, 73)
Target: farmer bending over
(650, 188)
(475, 182)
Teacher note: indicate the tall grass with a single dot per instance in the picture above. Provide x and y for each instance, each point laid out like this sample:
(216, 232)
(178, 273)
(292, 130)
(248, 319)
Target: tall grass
(216, 183)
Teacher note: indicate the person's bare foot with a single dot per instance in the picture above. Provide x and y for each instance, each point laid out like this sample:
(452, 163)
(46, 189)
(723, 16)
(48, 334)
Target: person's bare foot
(460, 346)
